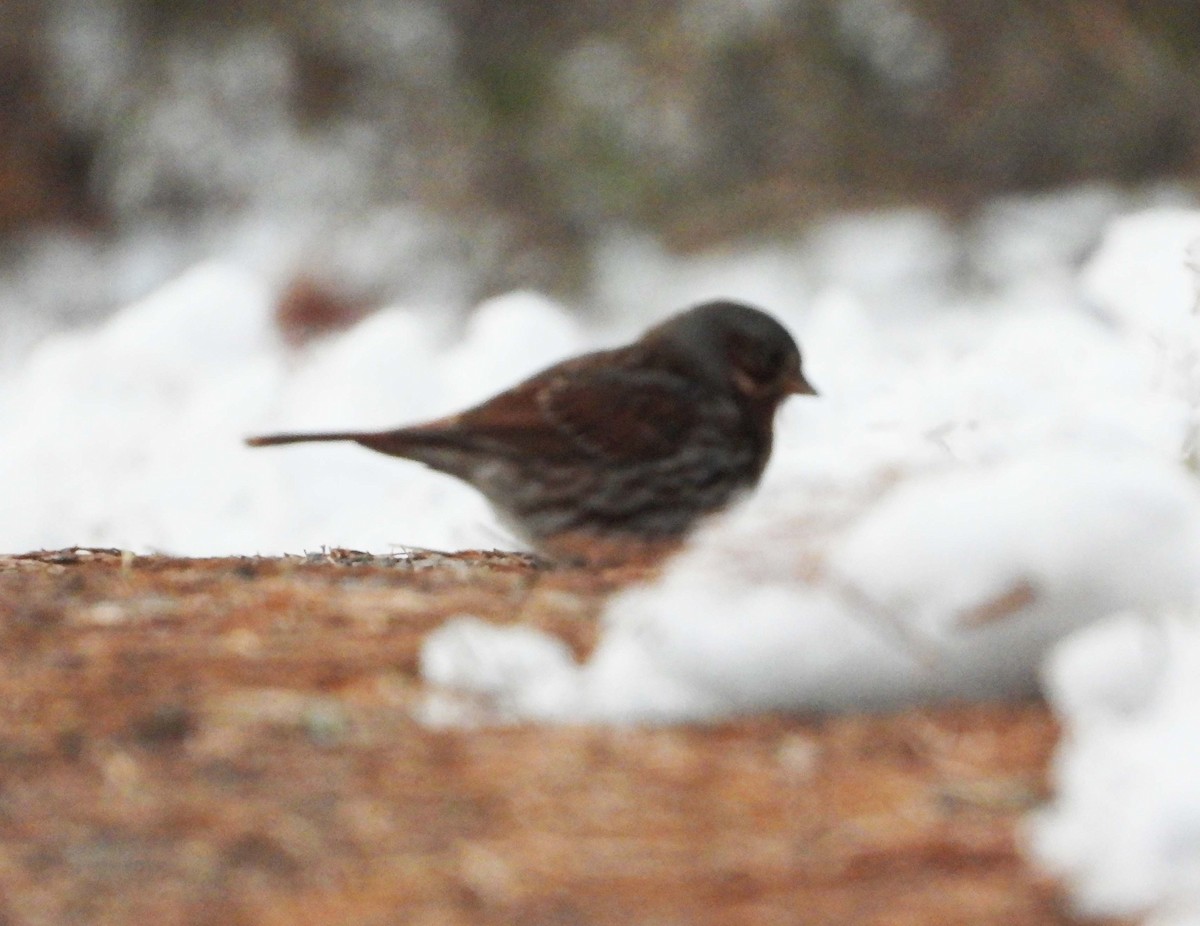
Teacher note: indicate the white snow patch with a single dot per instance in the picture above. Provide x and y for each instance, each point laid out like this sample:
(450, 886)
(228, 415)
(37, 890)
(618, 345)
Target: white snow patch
(950, 585)
(130, 434)
(1124, 829)
(964, 494)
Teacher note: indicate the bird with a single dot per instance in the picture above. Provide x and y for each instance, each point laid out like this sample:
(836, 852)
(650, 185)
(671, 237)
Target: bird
(616, 455)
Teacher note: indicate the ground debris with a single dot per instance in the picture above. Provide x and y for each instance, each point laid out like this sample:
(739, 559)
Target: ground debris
(232, 740)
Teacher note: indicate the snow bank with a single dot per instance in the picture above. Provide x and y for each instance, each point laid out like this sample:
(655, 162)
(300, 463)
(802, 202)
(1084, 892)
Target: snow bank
(964, 494)
(130, 435)
(948, 585)
(1124, 829)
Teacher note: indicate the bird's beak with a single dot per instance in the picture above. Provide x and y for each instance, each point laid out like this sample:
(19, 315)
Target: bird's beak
(798, 385)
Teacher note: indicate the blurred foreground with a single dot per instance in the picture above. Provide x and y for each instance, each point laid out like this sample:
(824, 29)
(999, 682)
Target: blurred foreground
(236, 742)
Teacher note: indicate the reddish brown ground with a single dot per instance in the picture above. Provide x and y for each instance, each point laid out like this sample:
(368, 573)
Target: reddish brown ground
(232, 741)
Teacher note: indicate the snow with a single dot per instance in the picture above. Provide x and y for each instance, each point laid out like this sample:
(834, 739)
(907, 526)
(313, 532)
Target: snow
(996, 485)
(130, 435)
(1124, 828)
(948, 585)
(965, 493)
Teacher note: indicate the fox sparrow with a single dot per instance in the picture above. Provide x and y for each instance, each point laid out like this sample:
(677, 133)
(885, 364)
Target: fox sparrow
(615, 454)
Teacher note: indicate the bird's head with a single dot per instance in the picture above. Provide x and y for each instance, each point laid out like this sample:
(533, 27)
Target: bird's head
(740, 347)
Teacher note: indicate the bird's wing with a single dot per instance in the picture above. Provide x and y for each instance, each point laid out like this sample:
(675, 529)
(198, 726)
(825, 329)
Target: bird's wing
(622, 414)
(612, 414)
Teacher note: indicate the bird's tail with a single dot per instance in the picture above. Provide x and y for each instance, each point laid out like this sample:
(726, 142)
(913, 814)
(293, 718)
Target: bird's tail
(270, 440)
(421, 443)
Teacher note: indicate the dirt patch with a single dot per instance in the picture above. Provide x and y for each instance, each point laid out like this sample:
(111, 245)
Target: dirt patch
(233, 741)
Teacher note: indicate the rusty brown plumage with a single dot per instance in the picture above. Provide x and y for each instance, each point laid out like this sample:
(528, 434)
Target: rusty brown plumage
(629, 447)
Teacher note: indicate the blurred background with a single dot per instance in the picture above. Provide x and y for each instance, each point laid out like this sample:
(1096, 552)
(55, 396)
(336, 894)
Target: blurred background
(436, 152)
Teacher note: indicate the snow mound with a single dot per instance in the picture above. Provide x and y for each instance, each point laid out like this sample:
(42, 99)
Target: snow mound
(964, 494)
(1124, 830)
(949, 585)
(131, 434)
